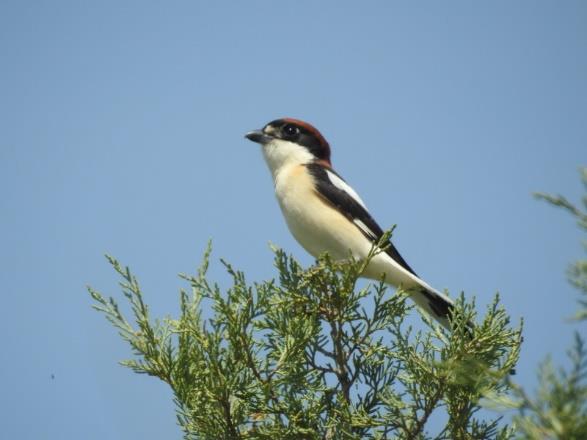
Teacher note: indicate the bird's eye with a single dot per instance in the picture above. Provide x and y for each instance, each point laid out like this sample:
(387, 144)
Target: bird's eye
(290, 130)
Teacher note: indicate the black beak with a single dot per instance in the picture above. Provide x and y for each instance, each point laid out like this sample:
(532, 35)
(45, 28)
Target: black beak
(258, 136)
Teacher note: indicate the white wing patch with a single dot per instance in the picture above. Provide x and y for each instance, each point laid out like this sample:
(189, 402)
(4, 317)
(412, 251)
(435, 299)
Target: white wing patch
(342, 185)
(363, 227)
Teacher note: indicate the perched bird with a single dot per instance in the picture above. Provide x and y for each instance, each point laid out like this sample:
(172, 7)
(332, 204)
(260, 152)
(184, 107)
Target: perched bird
(325, 214)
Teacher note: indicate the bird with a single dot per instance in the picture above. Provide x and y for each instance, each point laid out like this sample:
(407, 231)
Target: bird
(325, 214)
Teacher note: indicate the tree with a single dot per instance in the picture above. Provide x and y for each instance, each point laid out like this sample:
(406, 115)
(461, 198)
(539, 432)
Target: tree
(312, 356)
(559, 410)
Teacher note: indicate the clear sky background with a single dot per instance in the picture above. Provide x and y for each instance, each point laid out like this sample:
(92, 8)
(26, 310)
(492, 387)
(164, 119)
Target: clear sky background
(121, 132)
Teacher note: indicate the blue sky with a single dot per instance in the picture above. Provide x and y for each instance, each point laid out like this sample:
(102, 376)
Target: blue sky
(122, 132)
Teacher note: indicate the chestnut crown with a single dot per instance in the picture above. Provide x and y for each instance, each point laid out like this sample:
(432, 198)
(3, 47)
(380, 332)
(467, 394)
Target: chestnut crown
(301, 133)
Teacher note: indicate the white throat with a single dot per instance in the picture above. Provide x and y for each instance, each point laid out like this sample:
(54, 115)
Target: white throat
(280, 154)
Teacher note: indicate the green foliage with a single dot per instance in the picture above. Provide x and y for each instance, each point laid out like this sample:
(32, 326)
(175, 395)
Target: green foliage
(577, 272)
(559, 410)
(312, 356)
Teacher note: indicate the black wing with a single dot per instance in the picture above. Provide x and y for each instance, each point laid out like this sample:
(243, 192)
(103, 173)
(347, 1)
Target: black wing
(345, 200)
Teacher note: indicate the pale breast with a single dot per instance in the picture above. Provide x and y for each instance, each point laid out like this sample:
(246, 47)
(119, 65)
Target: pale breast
(315, 224)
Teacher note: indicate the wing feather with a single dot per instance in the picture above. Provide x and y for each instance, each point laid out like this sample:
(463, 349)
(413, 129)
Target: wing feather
(345, 199)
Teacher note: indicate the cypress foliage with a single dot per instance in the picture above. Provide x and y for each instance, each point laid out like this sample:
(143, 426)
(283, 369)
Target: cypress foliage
(310, 355)
(559, 408)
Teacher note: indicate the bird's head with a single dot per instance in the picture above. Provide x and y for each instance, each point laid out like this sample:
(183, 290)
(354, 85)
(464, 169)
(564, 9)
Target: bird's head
(291, 141)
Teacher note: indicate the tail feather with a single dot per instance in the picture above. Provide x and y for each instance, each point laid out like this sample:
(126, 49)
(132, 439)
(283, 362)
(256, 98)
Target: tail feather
(434, 303)
(438, 306)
